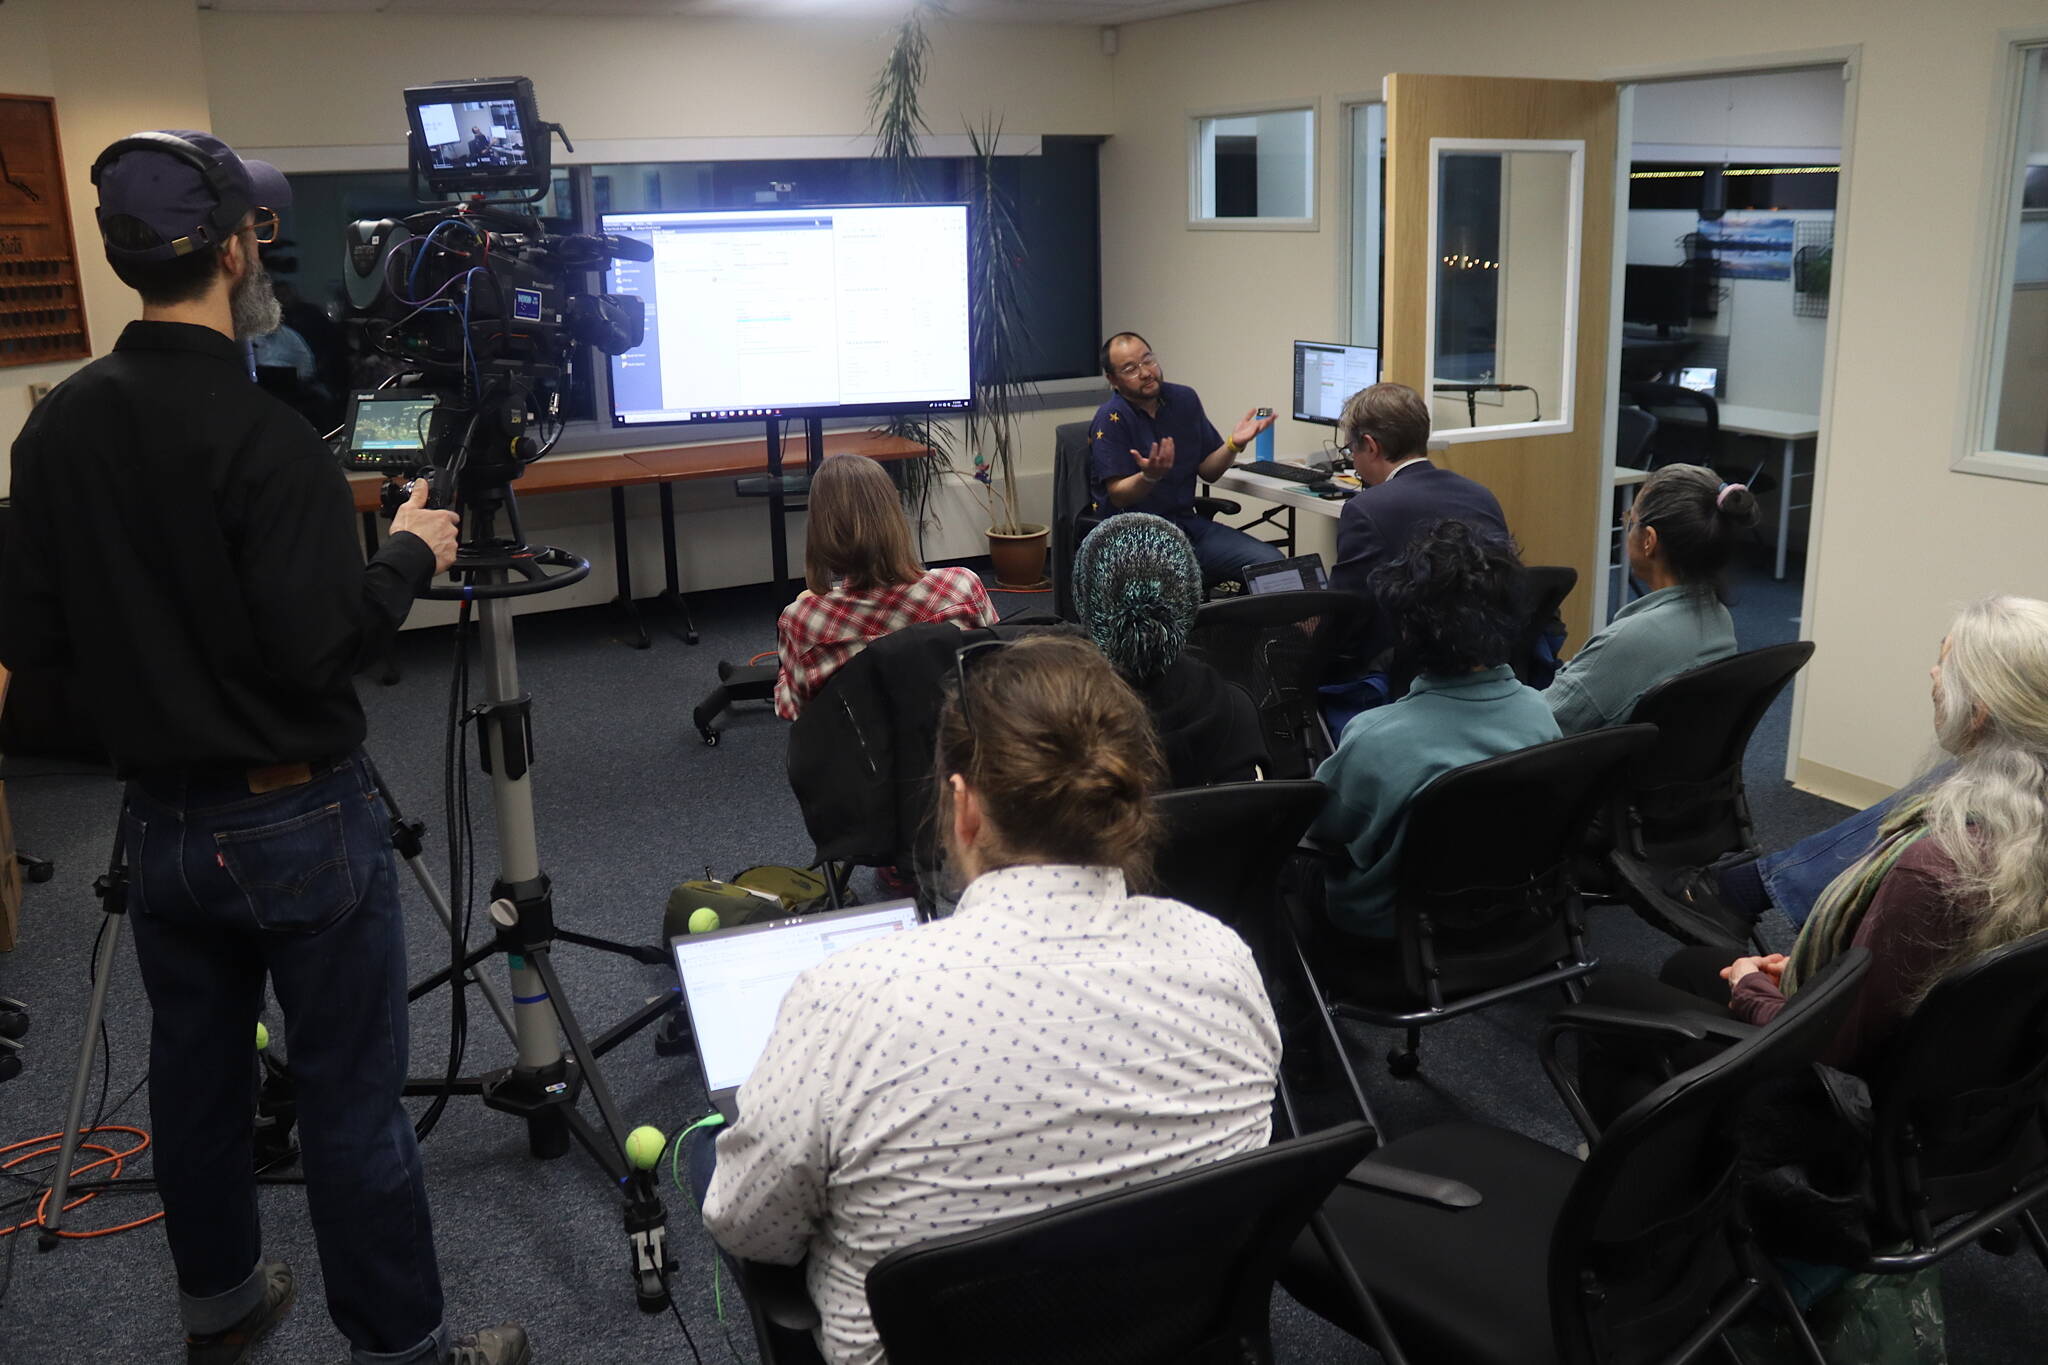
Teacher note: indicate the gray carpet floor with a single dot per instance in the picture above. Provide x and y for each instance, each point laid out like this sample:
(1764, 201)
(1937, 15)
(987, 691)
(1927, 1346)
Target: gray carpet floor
(629, 803)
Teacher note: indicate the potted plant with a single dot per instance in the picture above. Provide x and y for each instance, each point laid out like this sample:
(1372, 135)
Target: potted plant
(998, 336)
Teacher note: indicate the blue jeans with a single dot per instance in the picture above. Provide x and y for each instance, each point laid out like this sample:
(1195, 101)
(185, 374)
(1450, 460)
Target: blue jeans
(1796, 876)
(226, 887)
(1224, 551)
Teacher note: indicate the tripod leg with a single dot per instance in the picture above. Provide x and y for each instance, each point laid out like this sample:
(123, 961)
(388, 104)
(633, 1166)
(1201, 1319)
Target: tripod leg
(447, 914)
(579, 1048)
(113, 893)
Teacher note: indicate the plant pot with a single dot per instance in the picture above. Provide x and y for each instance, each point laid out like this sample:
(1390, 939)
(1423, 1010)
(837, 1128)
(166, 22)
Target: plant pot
(1018, 557)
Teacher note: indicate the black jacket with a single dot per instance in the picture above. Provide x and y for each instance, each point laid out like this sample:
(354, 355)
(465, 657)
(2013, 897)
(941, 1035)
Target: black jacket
(1208, 727)
(1378, 524)
(861, 753)
(184, 549)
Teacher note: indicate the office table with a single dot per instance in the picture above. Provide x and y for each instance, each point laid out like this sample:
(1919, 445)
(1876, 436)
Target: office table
(569, 474)
(662, 468)
(1790, 428)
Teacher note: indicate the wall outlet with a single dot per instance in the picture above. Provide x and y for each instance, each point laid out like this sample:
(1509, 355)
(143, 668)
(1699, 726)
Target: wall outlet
(37, 393)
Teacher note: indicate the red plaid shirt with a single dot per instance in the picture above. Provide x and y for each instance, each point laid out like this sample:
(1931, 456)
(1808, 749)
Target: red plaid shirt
(818, 634)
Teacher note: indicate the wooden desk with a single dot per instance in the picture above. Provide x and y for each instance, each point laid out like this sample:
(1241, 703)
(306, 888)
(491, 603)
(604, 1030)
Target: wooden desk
(573, 474)
(741, 459)
(662, 468)
(1790, 428)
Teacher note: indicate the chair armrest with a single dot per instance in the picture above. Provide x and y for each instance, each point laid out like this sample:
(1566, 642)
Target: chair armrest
(779, 1293)
(1212, 507)
(1686, 1026)
(1398, 1181)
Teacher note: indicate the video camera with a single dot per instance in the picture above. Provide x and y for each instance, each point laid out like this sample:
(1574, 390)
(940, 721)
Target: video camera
(475, 300)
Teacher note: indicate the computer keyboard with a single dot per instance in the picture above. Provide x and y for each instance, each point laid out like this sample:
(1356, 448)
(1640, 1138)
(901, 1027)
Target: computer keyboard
(1293, 473)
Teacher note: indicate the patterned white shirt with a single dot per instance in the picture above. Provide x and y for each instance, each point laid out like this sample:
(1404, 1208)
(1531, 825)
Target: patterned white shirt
(1056, 1037)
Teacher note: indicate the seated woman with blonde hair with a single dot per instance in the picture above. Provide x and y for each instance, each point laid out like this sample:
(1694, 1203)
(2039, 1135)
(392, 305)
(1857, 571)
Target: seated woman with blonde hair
(863, 581)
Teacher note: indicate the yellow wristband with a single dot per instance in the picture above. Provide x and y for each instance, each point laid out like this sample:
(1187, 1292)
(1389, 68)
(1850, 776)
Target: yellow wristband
(1233, 447)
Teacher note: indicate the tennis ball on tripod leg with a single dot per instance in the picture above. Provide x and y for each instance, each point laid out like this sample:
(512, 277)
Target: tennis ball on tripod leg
(262, 1036)
(703, 920)
(644, 1146)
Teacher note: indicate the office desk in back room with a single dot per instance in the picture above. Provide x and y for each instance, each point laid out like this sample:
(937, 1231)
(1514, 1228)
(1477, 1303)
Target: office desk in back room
(1788, 428)
(662, 468)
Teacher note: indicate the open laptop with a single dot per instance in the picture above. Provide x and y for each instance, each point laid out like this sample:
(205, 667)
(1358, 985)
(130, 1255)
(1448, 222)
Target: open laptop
(1286, 575)
(1699, 378)
(734, 980)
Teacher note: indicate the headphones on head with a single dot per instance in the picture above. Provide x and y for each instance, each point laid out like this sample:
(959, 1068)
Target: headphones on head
(230, 203)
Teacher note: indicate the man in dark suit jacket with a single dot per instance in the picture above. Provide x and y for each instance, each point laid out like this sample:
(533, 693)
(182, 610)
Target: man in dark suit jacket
(1386, 430)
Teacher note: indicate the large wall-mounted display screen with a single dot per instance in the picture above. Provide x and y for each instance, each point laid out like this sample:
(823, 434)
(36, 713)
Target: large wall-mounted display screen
(794, 311)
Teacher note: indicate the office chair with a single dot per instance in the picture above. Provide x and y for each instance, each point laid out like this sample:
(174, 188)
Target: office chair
(780, 1308)
(736, 682)
(1633, 428)
(1486, 907)
(1257, 642)
(1173, 1271)
(1073, 508)
(1534, 654)
(1960, 1143)
(1684, 805)
(1688, 429)
(1225, 848)
(1640, 1253)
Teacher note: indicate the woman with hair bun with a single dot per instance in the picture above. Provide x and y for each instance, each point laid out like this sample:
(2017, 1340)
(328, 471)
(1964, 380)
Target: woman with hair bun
(1680, 534)
(1137, 584)
(1056, 1037)
(1455, 595)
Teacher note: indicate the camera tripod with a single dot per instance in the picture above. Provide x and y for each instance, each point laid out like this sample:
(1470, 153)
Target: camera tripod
(544, 1083)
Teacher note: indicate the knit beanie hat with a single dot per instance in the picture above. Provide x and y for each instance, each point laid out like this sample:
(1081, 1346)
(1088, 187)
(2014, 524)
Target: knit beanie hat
(1137, 584)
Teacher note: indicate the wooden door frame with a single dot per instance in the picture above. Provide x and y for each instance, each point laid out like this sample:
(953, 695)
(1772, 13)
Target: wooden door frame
(1849, 58)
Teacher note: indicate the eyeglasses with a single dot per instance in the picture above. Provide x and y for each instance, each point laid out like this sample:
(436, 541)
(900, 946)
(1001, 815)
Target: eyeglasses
(265, 227)
(1130, 369)
(962, 657)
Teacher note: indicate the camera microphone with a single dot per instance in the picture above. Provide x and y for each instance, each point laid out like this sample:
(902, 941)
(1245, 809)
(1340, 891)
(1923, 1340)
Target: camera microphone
(625, 248)
(588, 250)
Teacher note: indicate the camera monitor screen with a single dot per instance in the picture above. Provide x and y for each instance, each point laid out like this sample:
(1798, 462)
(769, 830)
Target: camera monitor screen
(776, 312)
(388, 428)
(478, 136)
(1326, 374)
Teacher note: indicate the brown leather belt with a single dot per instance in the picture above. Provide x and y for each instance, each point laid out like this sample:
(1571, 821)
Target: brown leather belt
(280, 776)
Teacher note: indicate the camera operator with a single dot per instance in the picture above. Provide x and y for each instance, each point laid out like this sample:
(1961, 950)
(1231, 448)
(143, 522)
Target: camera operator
(186, 553)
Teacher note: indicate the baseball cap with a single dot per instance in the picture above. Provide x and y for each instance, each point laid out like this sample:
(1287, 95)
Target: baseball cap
(143, 177)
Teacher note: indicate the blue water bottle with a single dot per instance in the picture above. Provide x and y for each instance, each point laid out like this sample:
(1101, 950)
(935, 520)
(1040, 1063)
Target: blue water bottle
(1262, 444)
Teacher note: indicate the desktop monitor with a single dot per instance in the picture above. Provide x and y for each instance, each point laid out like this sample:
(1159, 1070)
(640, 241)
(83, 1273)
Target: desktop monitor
(1657, 296)
(1326, 374)
(778, 312)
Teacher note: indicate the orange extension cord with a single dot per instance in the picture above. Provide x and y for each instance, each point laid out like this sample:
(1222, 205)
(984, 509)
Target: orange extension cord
(55, 1144)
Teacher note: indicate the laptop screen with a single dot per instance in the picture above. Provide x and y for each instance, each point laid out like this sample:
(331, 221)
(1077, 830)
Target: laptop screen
(734, 979)
(1287, 575)
(1699, 378)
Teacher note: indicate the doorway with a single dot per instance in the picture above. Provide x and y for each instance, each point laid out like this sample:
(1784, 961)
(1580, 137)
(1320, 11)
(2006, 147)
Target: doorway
(1729, 236)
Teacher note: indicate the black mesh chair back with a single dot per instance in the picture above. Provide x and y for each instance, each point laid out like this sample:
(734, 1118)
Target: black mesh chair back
(1174, 1271)
(1960, 1097)
(1258, 642)
(1688, 429)
(1633, 428)
(1071, 509)
(1686, 804)
(1544, 589)
(1648, 1246)
(1226, 845)
(1485, 890)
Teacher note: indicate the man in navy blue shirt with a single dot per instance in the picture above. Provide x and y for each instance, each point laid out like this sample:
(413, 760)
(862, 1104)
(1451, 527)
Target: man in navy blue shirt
(1152, 441)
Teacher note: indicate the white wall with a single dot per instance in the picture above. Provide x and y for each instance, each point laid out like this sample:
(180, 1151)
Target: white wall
(1902, 539)
(155, 77)
(1730, 118)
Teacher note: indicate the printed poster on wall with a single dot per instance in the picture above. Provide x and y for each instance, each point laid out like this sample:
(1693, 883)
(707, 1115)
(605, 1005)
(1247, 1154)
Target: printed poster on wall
(1750, 246)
